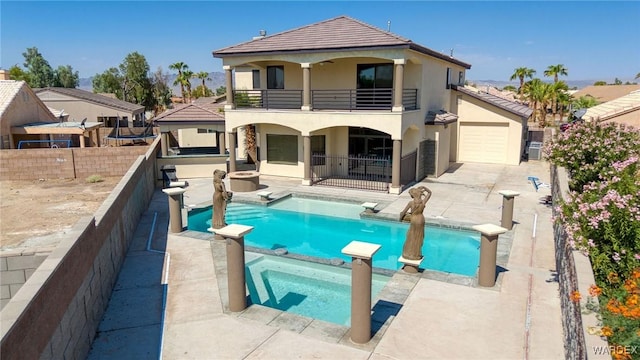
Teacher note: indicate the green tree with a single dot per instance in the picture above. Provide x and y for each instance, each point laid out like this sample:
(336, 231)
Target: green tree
(510, 88)
(521, 73)
(617, 82)
(600, 83)
(584, 102)
(40, 72)
(564, 100)
(137, 85)
(179, 66)
(16, 73)
(203, 75)
(555, 71)
(66, 77)
(161, 91)
(200, 91)
(221, 90)
(110, 82)
(539, 94)
(638, 76)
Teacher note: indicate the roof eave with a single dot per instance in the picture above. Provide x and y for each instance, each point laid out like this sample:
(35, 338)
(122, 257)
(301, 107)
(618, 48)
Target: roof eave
(441, 56)
(217, 54)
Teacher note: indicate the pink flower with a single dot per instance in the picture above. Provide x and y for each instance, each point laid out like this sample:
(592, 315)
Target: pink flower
(616, 257)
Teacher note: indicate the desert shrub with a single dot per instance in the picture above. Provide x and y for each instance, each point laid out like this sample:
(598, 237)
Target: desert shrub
(94, 179)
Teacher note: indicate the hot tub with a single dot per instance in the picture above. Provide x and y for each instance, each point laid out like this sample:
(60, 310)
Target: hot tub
(244, 181)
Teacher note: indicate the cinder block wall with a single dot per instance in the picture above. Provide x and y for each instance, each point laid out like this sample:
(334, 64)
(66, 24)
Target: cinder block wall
(56, 313)
(33, 164)
(16, 266)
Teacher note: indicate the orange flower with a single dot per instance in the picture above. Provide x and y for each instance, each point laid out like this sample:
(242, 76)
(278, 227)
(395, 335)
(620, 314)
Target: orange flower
(613, 277)
(636, 273)
(632, 300)
(629, 285)
(612, 306)
(575, 296)
(606, 331)
(595, 291)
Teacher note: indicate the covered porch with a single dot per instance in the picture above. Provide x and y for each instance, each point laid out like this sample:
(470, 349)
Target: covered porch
(44, 133)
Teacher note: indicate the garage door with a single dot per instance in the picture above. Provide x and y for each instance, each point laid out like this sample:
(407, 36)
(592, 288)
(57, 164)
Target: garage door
(483, 142)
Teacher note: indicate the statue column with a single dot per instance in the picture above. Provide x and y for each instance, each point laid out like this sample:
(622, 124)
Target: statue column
(306, 87)
(229, 84)
(232, 152)
(361, 254)
(488, 252)
(306, 149)
(398, 84)
(234, 237)
(395, 167)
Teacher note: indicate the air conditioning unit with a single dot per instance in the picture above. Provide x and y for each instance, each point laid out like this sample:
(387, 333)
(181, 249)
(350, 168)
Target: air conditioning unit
(535, 150)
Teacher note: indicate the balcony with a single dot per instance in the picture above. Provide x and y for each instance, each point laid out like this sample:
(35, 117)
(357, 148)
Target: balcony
(346, 99)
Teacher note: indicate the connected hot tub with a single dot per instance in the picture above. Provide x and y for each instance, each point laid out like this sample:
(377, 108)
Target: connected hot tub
(244, 181)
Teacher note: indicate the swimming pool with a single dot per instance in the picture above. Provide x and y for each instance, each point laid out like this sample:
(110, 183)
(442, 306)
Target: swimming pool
(300, 287)
(291, 224)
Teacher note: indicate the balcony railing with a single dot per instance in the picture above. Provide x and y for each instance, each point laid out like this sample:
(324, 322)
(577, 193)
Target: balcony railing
(347, 99)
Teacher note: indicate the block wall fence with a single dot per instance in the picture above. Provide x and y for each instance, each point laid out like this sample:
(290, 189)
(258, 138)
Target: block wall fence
(57, 311)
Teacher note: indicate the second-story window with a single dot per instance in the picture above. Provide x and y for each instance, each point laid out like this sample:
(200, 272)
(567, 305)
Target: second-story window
(256, 78)
(275, 77)
(448, 80)
(460, 78)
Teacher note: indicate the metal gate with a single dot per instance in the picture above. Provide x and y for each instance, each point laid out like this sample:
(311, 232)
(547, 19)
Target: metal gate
(408, 168)
(366, 173)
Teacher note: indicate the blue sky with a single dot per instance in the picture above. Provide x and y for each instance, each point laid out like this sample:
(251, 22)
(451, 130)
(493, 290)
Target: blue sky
(594, 40)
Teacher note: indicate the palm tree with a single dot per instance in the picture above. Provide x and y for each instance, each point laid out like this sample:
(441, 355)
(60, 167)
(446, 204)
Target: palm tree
(187, 75)
(584, 102)
(638, 75)
(521, 73)
(555, 71)
(557, 88)
(539, 94)
(179, 66)
(564, 100)
(203, 75)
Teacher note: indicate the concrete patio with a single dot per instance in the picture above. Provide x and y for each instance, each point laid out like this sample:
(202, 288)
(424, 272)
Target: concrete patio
(171, 296)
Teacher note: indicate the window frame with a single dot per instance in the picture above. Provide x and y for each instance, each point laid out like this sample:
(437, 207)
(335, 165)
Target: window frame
(275, 83)
(255, 73)
(281, 150)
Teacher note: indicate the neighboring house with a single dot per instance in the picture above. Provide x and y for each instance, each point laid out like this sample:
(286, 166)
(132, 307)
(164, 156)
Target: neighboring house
(604, 93)
(340, 90)
(19, 105)
(199, 127)
(81, 104)
(490, 129)
(623, 110)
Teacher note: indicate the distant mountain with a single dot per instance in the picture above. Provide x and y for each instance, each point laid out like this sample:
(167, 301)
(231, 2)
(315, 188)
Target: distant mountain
(217, 80)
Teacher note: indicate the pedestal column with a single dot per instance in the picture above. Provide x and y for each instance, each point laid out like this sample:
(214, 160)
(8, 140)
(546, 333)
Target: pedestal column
(488, 251)
(234, 236)
(361, 254)
(508, 197)
(175, 208)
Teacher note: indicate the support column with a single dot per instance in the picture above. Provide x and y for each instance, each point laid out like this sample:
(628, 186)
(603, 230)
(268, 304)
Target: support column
(229, 85)
(81, 140)
(232, 152)
(306, 151)
(234, 237)
(508, 197)
(175, 208)
(488, 252)
(361, 254)
(221, 143)
(164, 144)
(306, 87)
(398, 84)
(395, 167)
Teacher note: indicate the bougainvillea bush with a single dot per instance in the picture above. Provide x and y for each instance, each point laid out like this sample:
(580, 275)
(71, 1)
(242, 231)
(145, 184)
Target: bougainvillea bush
(601, 217)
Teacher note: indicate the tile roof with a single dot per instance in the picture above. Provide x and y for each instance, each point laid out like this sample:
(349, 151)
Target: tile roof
(606, 92)
(338, 34)
(193, 113)
(9, 89)
(94, 98)
(610, 109)
(510, 106)
(440, 117)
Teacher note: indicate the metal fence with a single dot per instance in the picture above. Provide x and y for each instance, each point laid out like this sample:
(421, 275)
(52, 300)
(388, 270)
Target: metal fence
(366, 173)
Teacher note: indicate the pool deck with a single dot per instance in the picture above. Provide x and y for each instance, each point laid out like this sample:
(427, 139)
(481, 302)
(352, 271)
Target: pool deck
(170, 298)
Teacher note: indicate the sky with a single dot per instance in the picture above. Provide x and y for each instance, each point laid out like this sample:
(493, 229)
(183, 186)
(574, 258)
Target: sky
(593, 40)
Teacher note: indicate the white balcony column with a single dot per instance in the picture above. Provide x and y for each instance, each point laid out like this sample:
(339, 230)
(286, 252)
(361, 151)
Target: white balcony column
(306, 87)
(164, 143)
(306, 153)
(398, 84)
(395, 167)
(229, 84)
(232, 152)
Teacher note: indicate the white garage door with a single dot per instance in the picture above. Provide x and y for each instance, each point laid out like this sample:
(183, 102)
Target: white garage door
(483, 142)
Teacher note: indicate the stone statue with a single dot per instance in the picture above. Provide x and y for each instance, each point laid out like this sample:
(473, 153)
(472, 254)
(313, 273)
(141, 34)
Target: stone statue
(412, 249)
(220, 199)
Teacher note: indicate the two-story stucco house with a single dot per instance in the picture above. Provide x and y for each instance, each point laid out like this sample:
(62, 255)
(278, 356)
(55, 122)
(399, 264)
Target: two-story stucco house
(343, 100)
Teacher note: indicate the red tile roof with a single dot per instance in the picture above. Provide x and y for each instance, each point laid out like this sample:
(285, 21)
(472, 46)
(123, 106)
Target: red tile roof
(510, 106)
(338, 34)
(193, 113)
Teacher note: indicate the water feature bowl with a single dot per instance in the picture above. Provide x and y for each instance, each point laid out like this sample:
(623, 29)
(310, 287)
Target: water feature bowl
(244, 181)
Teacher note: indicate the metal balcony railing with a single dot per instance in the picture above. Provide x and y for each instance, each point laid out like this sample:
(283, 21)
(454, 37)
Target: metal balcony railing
(341, 99)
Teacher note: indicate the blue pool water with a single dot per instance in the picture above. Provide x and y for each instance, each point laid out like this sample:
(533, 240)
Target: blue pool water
(286, 224)
(309, 289)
